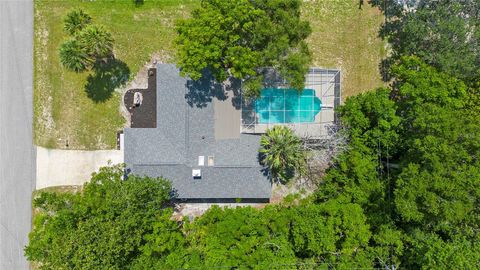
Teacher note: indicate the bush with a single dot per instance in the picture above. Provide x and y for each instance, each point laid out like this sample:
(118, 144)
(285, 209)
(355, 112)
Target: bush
(282, 153)
(76, 20)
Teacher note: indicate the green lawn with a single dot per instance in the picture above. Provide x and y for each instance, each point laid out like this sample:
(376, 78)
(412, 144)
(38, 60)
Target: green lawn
(343, 36)
(346, 37)
(63, 109)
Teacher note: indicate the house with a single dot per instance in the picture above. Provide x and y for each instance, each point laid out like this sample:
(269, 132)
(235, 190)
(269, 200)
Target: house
(196, 142)
(204, 138)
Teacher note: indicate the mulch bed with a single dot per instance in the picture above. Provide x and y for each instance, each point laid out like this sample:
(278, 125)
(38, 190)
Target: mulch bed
(145, 115)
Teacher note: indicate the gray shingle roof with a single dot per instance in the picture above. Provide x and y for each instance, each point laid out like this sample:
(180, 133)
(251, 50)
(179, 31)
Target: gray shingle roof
(185, 130)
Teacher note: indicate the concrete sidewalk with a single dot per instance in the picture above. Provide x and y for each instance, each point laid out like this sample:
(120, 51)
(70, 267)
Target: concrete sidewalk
(71, 167)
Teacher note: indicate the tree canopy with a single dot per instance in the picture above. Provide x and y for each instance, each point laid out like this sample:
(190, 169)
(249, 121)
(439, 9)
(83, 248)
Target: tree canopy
(444, 34)
(413, 165)
(272, 238)
(240, 38)
(102, 227)
(126, 224)
(76, 20)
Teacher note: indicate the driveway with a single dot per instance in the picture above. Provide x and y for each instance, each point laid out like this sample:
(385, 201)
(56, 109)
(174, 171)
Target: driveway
(17, 154)
(71, 167)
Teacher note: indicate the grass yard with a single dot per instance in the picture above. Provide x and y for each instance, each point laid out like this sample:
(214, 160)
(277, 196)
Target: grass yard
(343, 36)
(63, 111)
(346, 37)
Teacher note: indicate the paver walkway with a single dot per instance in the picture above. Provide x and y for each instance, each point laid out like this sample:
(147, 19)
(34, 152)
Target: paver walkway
(71, 167)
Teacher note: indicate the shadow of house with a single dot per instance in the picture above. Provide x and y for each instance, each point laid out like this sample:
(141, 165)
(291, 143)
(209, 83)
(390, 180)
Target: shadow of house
(144, 115)
(222, 200)
(105, 78)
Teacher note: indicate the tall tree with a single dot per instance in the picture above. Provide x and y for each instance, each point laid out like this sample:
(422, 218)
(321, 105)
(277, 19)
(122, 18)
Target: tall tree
(102, 227)
(281, 238)
(239, 38)
(439, 183)
(444, 34)
(241, 238)
(413, 167)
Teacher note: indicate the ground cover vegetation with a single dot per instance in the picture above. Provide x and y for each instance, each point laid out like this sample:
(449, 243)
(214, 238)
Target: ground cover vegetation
(343, 36)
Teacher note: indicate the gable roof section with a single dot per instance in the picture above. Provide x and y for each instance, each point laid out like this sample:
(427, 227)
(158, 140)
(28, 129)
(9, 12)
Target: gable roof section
(216, 182)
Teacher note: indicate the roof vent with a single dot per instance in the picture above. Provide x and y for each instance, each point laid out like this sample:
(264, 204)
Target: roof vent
(211, 161)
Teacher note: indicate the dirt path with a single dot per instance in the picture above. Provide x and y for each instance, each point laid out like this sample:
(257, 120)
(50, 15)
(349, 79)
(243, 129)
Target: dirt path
(71, 167)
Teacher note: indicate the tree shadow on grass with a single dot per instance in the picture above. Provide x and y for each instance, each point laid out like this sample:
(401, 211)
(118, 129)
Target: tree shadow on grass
(107, 75)
(384, 68)
(138, 3)
(394, 16)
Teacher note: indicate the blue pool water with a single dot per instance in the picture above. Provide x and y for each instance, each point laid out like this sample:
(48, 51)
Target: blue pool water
(275, 106)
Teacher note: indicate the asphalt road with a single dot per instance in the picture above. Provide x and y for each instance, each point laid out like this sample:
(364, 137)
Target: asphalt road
(17, 153)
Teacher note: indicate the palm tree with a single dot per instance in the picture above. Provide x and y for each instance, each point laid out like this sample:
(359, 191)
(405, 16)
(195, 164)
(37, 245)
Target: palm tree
(73, 56)
(97, 40)
(76, 20)
(282, 153)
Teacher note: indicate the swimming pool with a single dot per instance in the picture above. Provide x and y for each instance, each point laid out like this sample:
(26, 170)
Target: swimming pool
(276, 106)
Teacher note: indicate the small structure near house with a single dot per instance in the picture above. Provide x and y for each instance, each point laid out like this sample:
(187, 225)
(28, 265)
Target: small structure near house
(211, 161)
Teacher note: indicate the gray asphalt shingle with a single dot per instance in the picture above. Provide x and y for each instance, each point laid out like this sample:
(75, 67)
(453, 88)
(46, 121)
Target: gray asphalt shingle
(185, 130)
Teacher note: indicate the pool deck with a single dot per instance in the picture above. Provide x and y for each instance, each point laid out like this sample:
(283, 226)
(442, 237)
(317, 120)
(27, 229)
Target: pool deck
(326, 83)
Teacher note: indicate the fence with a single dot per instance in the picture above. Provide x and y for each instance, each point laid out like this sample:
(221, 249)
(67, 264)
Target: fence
(325, 82)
